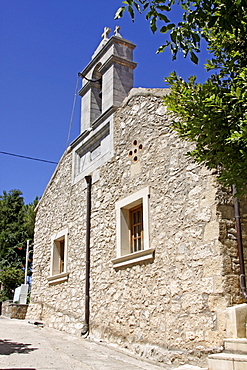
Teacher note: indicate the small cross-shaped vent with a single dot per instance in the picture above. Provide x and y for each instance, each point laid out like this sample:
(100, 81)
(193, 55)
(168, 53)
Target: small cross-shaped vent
(135, 151)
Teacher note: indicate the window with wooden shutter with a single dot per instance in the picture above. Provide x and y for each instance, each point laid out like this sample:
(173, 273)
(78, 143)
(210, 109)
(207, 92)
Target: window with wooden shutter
(132, 230)
(136, 228)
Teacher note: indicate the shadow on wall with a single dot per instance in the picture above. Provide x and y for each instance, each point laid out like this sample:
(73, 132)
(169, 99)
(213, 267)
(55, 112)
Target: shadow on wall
(8, 347)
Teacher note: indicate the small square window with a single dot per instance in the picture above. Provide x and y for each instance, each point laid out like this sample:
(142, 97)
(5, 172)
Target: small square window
(58, 270)
(133, 229)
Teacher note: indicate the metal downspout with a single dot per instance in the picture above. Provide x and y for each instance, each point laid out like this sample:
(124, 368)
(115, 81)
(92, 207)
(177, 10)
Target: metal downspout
(85, 329)
(240, 243)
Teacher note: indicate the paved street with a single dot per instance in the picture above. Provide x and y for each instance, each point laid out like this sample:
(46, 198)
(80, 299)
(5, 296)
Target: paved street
(24, 346)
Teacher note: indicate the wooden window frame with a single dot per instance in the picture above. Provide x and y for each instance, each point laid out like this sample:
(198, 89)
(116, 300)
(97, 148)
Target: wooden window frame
(59, 249)
(59, 244)
(136, 238)
(125, 254)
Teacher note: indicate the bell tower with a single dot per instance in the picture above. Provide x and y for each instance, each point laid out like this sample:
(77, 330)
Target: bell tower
(106, 81)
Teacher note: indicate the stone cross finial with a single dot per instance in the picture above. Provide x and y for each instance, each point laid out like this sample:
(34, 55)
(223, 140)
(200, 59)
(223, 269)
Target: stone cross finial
(116, 31)
(106, 32)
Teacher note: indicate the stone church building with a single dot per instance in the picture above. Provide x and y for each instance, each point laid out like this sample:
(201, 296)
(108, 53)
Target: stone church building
(135, 244)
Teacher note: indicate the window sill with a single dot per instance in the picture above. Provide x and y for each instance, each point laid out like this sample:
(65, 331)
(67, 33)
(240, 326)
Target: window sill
(134, 258)
(58, 278)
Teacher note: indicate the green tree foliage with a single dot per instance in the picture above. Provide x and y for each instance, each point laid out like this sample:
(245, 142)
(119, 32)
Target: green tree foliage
(213, 115)
(29, 217)
(11, 278)
(12, 232)
(16, 227)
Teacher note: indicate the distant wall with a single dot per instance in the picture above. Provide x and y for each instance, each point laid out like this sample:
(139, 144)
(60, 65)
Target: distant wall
(13, 310)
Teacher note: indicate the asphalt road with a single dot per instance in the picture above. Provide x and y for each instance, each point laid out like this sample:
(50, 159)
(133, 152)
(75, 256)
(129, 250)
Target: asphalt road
(24, 346)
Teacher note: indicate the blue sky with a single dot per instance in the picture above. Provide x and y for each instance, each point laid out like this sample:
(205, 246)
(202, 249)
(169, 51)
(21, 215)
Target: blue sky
(43, 45)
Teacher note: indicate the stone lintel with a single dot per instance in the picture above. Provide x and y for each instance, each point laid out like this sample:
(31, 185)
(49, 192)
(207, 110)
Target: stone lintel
(119, 60)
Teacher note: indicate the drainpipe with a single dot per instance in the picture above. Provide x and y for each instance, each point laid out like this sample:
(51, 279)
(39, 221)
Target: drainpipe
(85, 329)
(240, 243)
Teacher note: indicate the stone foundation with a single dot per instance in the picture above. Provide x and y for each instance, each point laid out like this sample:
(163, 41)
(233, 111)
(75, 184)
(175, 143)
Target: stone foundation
(13, 310)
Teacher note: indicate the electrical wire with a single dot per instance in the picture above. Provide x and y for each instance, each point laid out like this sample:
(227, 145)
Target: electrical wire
(72, 113)
(70, 127)
(23, 156)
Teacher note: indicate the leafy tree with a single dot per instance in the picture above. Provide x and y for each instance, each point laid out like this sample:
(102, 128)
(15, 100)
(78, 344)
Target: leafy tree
(212, 115)
(16, 227)
(29, 217)
(12, 233)
(11, 278)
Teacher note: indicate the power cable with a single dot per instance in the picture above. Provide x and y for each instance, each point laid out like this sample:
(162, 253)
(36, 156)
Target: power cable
(23, 156)
(72, 113)
(70, 126)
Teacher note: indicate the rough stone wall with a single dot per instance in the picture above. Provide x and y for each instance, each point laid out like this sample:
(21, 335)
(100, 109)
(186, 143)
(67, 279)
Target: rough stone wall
(172, 309)
(60, 305)
(13, 310)
(228, 239)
